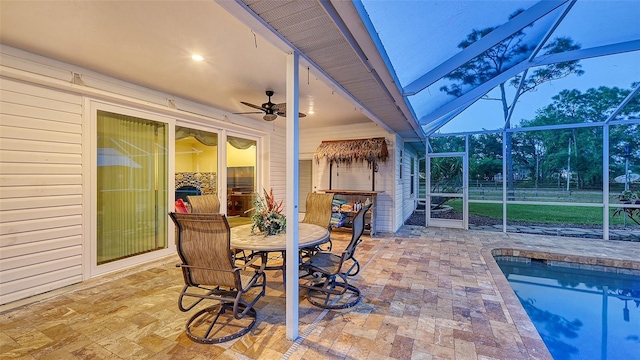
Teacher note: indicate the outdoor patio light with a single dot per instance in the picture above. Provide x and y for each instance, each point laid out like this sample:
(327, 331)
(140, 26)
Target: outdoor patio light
(269, 117)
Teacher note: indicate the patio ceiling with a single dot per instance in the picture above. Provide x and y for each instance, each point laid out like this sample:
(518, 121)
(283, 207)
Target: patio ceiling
(149, 43)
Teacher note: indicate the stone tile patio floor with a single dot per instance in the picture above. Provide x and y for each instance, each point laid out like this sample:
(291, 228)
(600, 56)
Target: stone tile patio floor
(427, 294)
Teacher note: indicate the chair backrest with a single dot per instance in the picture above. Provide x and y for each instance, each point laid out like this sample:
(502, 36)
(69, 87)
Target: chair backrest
(358, 230)
(204, 245)
(318, 209)
(204, 204)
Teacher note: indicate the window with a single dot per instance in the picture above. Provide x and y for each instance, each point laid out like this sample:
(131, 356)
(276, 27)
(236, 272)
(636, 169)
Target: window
(413, 178)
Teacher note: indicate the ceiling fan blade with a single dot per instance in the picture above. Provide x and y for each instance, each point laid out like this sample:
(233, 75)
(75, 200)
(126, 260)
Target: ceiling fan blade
(300, 115)
(281, 110)
(253, 106)
(251, 112)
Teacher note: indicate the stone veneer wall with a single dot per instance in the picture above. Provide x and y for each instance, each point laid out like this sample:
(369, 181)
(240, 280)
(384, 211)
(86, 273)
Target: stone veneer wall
(206, 182)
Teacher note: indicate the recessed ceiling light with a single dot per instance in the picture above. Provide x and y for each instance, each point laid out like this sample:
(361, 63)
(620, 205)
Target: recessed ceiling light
(197, 57)
(311, 112)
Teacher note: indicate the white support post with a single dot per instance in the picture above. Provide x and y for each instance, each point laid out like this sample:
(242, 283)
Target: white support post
(465, 186)
(292, 189)
(504, 181)
(605, 182)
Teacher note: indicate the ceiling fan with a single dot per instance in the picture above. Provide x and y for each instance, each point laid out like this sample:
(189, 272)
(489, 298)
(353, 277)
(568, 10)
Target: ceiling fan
(271, 111)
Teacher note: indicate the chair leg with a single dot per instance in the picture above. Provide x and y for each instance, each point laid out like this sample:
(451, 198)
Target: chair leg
(333, 294)
(356, 266)
(202, 328)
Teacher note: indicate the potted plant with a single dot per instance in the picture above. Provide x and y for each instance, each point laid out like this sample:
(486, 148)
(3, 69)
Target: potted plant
(267, 217)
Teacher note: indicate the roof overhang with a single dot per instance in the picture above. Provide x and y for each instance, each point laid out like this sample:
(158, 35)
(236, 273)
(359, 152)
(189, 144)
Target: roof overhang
(332, 39)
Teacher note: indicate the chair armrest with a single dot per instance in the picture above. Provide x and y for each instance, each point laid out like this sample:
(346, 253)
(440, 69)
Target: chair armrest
(203, 268)
(251, 262)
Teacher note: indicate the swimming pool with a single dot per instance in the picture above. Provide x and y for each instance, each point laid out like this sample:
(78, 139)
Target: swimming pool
(579, 313)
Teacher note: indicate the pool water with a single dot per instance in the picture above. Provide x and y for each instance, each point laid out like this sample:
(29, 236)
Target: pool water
(579, 313)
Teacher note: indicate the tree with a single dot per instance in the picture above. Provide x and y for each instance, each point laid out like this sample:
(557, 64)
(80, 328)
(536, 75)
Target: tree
(446, 144)
(485, 156)
(573, 107)
(500, 58)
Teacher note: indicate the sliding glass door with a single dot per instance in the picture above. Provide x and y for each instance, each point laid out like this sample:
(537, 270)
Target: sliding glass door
(132, 186)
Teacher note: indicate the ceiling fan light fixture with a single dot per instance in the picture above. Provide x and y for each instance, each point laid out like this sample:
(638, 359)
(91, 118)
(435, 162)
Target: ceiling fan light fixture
(269, 117)
(271, 110)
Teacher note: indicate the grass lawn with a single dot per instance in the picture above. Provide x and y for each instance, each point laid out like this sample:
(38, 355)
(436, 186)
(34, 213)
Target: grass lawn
(548, 214)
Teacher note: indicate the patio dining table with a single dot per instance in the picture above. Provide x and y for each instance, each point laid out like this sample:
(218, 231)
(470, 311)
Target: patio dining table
(309, 235)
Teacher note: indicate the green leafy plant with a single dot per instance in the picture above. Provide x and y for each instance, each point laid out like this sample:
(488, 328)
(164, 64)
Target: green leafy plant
(630, 197)
(267, 217)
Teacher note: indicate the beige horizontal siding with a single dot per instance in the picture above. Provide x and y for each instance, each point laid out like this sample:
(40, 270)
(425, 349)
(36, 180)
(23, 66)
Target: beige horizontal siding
(41, 283)
(46, 246)
(40, 189)
(37, 236)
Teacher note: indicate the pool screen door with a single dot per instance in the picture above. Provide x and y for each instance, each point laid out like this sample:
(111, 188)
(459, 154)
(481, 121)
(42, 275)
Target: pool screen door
(447, 190)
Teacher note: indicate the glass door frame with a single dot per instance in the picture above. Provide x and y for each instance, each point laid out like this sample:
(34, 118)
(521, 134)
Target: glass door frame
(464, 195)
(91, 190)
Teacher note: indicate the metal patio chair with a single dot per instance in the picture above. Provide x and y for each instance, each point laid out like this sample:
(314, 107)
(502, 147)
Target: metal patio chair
(204, 204)
(327, 274)
(211, 273)
(318, 212)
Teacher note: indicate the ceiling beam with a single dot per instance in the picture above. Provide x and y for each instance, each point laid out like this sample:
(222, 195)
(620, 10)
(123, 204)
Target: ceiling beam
(511, 27)
(623, 104)
(612, 49)
(475, 93)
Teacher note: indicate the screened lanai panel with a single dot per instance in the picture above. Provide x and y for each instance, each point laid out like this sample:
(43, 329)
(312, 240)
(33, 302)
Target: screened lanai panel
(485, 169)
(631, 111)
(488, 65)
(624, 162)
(623, 227)
(555, 220)
(444, 144)
(431, 30)
(486, 113)
(560, 165)
(598, 23)
(602, 84)
(624, 180)
(484, 67)
(589, 95)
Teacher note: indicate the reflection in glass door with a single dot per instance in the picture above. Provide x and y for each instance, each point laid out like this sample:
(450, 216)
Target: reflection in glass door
(196, 171)
(241, 177)
(446, 190)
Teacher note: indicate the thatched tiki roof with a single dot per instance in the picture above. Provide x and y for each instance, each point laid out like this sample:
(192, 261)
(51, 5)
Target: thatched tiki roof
(358, 150)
